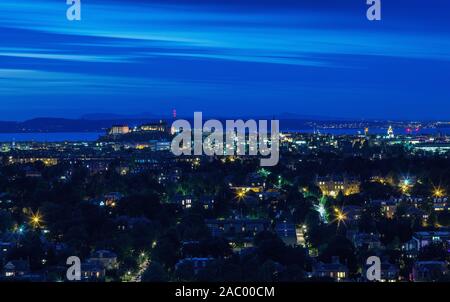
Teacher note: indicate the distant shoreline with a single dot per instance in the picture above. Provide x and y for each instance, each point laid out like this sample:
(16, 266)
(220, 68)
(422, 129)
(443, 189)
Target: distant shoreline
(91, 136)
(50, 137)
(59, 125)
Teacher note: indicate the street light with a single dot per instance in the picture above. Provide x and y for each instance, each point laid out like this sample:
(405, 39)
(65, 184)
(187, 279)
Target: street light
(36, 219)
(438, 192)
(341, 217)
(241, 194)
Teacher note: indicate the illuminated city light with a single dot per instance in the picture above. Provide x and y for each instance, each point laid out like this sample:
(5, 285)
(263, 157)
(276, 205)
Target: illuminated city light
(321, 209)
(340, 216)
(406, 185)
(264, 173)
(405, 189)
(36, 219)
(241, 194)
(438, 192)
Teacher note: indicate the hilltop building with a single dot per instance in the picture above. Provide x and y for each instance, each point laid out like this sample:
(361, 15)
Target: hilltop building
(119, 130)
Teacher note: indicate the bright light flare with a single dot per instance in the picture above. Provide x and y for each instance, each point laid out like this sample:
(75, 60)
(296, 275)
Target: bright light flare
(438, 192)
(241, 194)
(340, 216)
(320, 208)
(36, 219)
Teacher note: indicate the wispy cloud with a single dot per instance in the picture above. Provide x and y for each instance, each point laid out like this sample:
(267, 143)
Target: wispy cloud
(265, 37)
(24, 81)
(65, 57)
(201, 51)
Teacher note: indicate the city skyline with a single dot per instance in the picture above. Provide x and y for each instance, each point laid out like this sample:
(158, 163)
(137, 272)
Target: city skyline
(225, 148)
(222, 57)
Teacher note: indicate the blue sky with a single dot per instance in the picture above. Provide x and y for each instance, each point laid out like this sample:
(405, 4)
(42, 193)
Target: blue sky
(225, 58)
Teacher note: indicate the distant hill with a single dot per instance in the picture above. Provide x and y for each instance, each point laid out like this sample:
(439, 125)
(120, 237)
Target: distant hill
(100, 125)
(113, 116)
(295, 116)
(67, 125)
(99, 122)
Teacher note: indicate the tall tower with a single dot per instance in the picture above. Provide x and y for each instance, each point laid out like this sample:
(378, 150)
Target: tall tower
(174, 117)
(366, 131)
(174, 114)
(390, 132)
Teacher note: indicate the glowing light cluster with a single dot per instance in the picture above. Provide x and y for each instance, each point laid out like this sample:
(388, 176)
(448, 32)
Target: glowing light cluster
(322, 210)
(406, 185)
(36, 219)
(340, 216)
(241, 194)
(438, 192)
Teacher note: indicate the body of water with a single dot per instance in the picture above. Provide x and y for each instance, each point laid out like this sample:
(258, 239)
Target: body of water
(93, 136)
(50, 137)
(375, 131)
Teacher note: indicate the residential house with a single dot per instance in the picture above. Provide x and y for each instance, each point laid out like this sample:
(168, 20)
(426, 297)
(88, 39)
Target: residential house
(240, 226)
(441, 204)
(335, 270)
(184, 201)
(422, 239)
(106, 258)
(429, 271)
(365, 240)
(16, 269)
(207, 202)
(196, 264)
(92, 271)
(389, 272)
(353, 213)
(287, 232)
(388, 207)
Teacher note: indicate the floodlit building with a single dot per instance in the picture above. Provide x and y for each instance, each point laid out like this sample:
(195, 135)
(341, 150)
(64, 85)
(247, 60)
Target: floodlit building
(154, 127)
(390, 132)
(119, 130)
(331, 186)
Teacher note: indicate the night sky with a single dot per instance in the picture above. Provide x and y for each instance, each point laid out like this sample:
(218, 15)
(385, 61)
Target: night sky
(225, 58)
